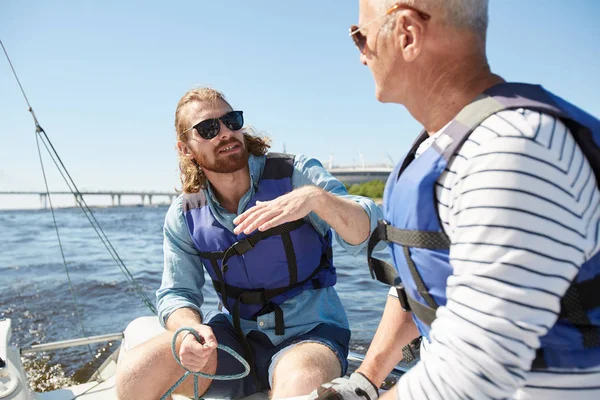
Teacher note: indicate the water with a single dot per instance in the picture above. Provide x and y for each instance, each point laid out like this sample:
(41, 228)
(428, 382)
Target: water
(35, 294)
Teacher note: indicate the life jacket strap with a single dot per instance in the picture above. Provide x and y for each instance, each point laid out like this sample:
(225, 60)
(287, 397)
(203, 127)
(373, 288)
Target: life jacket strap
(235, 314)
(242, 246)
(264, 296)
(408, 304)
(580, 298)
(279, 326)
(405, 238)
(412, 350)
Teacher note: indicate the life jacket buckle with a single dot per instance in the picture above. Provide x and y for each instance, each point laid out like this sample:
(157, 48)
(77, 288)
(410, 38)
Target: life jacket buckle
(242, 246)
(253, 298)
(402, 297)
(382, 225)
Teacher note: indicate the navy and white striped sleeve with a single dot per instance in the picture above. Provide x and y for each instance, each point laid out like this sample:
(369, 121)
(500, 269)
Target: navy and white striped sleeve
(522, 210)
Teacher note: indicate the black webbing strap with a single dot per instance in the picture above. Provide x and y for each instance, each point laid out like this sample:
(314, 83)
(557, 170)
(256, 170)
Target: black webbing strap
(264, 296)
(408, 304)
(250, 296)
(242, 246)
(578, 300)
(412, 350)
(290, 256)
(235, 314)
(539, 362)
(387, 274)
(279, 326)
(588, 293)
(217, 270)
(418, 239)
(379, 269)
(214, 255)
(421, 288)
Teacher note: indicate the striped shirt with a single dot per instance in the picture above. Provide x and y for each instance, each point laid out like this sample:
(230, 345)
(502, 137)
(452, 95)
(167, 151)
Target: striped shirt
(522, 210)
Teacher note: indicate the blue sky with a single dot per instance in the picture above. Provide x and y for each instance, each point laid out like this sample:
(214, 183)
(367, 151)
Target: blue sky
(104, 78)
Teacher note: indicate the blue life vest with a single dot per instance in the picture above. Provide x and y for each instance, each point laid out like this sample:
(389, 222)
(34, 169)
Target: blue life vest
(420, 248)
(253, 274)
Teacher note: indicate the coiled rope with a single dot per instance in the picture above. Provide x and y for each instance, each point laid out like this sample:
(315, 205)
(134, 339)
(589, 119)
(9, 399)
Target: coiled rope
(201, 374)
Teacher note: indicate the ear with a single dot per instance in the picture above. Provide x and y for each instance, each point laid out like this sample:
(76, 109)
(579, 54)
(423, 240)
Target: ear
(184, 149)
(411, 33)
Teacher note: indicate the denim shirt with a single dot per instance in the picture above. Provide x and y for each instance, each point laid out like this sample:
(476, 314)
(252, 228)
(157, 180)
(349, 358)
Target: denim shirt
(183, 275)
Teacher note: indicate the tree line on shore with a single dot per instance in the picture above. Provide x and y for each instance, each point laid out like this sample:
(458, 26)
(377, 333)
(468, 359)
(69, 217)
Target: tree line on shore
(372, 189)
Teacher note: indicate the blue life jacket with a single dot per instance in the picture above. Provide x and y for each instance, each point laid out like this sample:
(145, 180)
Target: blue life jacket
(253, 274)
(420, 248)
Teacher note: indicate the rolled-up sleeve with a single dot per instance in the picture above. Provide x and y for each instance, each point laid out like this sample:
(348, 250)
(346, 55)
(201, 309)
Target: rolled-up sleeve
(310, 171)
(183, 274)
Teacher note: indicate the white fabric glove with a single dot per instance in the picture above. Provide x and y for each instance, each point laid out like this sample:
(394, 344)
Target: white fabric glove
(357, 387)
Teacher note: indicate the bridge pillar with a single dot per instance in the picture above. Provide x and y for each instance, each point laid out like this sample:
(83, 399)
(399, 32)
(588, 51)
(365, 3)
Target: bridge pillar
(149, 199)
(112, 199)
(171, 199)
(43, 199)
(119, 199)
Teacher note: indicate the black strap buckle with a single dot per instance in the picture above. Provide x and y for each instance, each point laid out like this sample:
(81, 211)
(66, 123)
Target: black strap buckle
(412, 350)
(253, 298)
(382, 225)
(402, 297)
(242, 246)
(379, 234)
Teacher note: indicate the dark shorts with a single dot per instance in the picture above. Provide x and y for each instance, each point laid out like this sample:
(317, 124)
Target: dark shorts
(334, 337)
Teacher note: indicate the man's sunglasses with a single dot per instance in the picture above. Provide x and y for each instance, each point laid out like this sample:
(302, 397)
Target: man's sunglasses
(209, 128)
(360, 40)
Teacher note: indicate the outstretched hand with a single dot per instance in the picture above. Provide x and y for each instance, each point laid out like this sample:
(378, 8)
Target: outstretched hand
(194, 355)
(264, 215)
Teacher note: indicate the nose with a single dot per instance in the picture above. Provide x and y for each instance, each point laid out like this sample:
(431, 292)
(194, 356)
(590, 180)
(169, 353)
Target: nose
(363, 58)
(224, 132)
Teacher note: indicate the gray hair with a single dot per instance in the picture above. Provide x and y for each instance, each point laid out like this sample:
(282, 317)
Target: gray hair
(462, 14)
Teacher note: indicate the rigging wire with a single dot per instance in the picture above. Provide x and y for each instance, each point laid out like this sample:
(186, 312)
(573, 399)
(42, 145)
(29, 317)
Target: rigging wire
(41, 134)
(62, 253)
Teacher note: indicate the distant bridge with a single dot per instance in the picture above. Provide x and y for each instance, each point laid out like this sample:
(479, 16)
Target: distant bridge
(353, 174)
(114, 194)
(348, 175)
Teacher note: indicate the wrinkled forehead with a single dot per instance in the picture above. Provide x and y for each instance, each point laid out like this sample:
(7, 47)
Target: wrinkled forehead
(197, 111)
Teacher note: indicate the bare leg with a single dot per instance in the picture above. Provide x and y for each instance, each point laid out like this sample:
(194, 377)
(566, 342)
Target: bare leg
(303, 369)
(148, 370)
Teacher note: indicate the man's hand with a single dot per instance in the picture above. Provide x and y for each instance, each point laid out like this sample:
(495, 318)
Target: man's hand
(193, 354)
(357, 387)
(264, 215)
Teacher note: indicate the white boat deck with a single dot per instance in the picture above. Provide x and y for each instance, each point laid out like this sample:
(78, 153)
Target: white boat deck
(103, 388)
(14, 385)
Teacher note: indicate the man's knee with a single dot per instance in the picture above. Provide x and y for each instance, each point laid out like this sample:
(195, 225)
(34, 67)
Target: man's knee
(307, 362)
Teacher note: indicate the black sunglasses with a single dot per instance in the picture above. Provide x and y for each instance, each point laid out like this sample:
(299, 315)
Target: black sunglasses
(209, 128)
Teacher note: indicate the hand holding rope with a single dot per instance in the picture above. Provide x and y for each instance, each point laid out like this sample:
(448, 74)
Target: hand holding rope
(201, 374)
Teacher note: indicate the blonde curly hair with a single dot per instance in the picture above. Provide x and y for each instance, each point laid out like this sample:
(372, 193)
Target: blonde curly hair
(192, 178)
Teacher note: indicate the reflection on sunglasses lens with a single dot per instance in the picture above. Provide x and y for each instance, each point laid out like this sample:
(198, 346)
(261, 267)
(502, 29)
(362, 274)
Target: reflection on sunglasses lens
(360, 40)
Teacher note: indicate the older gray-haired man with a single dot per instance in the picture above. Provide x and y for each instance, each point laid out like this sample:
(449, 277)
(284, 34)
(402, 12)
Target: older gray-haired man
(493, 219)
